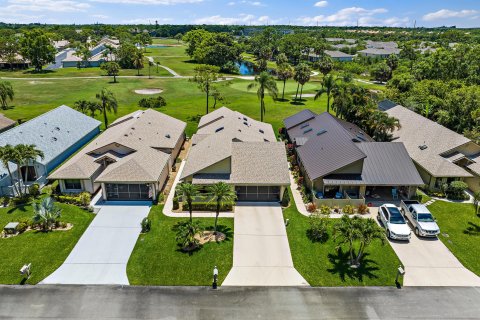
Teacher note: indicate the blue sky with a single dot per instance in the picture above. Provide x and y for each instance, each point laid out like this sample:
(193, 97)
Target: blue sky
(402, 13)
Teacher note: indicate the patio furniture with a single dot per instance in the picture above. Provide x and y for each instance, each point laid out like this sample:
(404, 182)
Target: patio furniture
(11, 228)
(338, 195)
(319, 195)
(394, 193)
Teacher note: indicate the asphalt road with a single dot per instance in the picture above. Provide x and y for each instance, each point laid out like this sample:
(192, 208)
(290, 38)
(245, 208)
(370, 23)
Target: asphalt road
(116, 302)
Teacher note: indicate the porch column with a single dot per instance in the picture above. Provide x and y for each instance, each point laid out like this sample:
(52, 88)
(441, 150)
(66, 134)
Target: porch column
(104, 191)
(362, 191)
(412, 190)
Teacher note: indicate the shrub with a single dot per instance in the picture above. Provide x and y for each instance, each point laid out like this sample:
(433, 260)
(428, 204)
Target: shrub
(318, 228)
(363, 209)
(456, 190)
(336, 209)
(325, 210)
(18, 201)
(34, 190)
(155, 102)
(4, 201)
(286, 198)
(23, 225)
(85, 198)
(176, 205)
(161, 197)
(146, 225)
(207, 206)
(311, 207)
(186, 234)
(348, 209)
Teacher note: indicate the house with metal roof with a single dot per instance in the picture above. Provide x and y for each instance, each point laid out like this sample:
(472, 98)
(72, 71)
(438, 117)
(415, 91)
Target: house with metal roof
(382, 53)
(341, 164)
(335, 55)
(440, 154)
(58, 133)
(233, 148)
(131, 160)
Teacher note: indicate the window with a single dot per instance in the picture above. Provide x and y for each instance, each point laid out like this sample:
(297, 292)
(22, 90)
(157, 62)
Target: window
(73, 184)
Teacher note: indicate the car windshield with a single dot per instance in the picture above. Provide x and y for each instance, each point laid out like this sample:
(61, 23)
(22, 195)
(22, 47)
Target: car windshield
(425, 217)
(395, 216)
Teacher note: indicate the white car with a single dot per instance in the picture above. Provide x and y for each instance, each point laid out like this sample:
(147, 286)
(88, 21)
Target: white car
(394, 223)
(422, 220)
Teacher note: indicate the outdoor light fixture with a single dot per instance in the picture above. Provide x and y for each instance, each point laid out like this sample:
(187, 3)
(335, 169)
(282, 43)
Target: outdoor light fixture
(215, 277)
(400, 272)
(26, 270)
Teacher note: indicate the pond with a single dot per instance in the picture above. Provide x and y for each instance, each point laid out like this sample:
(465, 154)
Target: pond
(157, 46)
(247, 68)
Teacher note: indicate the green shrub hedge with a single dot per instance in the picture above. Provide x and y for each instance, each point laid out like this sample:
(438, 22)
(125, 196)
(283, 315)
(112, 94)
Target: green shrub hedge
(206, 206)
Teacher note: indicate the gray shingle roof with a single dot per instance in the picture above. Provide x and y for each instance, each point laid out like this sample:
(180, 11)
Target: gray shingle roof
(338, 54)
(298, 118)
(384, 51)
(52, 132)
(417, 131)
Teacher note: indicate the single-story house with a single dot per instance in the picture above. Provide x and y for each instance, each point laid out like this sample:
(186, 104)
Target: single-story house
(131, 160)
(341, 162)
(380, 44)
(379, 52)
(61, 44)
(18, 63)
(241, 152)
(6, 123)
(98, 55)
(335, 55)
(440, 154)
(58, 133)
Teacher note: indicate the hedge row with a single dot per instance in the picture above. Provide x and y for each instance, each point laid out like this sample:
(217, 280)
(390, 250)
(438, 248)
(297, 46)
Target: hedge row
(206, 206)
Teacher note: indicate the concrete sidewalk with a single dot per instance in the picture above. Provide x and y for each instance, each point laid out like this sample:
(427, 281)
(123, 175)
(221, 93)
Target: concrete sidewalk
(261, 253)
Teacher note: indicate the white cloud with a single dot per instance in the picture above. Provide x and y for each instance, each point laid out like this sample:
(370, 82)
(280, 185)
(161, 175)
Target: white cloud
(445, 14)
(321, 4)
(17, 6)
(147, 20)
(100, 16)
(242, 19)
(149, 2)
(344, 17)
(248, 3)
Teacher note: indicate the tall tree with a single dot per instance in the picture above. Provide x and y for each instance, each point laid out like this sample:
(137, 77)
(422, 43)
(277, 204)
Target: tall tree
(325, 65)
(87, 107)
(112, 69)
(220, 193)
(9, 48)
(37, 47)
(328, 85)
(138, 60)
(178, 37)
(6, 93)
(7, 155)
(302, 76)
(266, 84)
(369, 231)
(108, 103)
(204, 76)
(284, 71)
(347, 231)
(29, 154)
(188, 192)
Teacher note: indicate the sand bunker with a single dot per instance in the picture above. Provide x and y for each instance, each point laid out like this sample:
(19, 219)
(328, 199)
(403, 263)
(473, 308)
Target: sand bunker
(148, 91)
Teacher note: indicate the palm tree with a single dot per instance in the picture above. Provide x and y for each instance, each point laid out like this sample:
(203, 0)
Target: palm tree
(188, 192)
(302, 76)
(265, 82)
(204, 76)
(328, 85)
(6, 93)
(46, 213)
(7, 155)
(29, 154)
(476, 201)
(381, 125)
(220, 193)
(108, 103)
(346, 231)
(284, 72)
(87, 107)
(138, 60)
(369, 231)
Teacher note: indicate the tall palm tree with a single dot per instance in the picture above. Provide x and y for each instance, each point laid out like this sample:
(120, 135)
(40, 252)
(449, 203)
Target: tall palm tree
(7, 155)
(346, 231)
(284, 72)
(265, 82)
(302, 76)
(108, 103)
(87, 107)
(369, 231)
(6, 93)
(188, 192)
(328, 85)
(138, 60)
(29, 154)
(220, 193)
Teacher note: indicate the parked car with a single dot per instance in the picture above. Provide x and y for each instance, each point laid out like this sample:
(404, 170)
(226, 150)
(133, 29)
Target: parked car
(421, 218)
(394, 223)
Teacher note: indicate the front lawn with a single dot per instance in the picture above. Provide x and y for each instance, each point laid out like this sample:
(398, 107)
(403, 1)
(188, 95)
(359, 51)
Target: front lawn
(322, 265)
(157, 259)
(460, 231)
(46, 251)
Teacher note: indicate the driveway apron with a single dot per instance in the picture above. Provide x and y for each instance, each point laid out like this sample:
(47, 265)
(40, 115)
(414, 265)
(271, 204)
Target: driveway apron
(101, 255)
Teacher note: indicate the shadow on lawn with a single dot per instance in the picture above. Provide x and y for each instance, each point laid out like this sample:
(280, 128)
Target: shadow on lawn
(14, 209)
(227, 231)
(344, 270)
(472, 230)
(298, 102)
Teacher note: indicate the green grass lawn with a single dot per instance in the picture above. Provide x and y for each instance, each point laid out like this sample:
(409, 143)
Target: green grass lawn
(321, 265)
(460, 231)
(46, 251)
(82, 72)
(157, 260)
(290, 87)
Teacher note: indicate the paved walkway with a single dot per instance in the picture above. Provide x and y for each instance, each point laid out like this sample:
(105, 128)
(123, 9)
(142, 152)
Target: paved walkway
(428, 262)
(261, 253)
(102, 253)
(297, 196)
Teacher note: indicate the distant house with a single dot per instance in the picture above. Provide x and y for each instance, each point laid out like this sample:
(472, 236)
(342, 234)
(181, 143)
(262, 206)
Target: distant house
(58, 133)
(131, 160)
(233, 148)
(342, 165)
(6, 123)
(61, 44)
(440, 154)
(335, 55)
(379, 53)
(380, 44)
(98, 55)
(18, 63)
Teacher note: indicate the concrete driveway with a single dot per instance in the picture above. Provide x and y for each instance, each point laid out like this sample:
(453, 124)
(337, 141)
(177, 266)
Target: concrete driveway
(102, 253)
(428, 262)
(261, 253)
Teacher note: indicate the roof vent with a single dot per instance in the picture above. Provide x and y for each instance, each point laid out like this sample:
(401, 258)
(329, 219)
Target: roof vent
(126, 135)
(54, 139)
(265, 140)
(321, 132)
(167, 136)
(423, 147)
(308, 130)
(219, 129)
(245, 119)
(261, 131)
(57, 128)
(304, 126)
(359, 137)
(245, 123)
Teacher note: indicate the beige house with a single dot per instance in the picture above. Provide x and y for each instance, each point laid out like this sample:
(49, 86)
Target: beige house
(235, 149)
(440, 154)
(131, 160)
